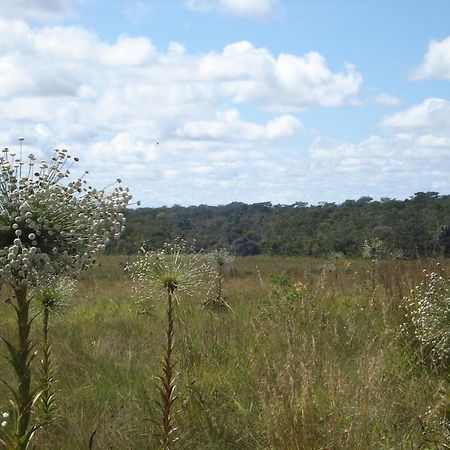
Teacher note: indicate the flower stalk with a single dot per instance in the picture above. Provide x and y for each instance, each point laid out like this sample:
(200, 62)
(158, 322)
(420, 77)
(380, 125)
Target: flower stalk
(167, 380)
(219, 260)
(21, 357)
(169, 272)
(48, 300)
(49, 226)
(47, 398)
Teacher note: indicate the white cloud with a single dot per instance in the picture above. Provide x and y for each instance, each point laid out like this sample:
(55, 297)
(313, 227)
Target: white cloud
(122, 150)
(200, 5)
(411, 156)
(381, 152)
(229, 126)
(330, 149)
(436, 63)
(85, 47)
(111, 102)
(137, 10)
(387, 100)
(286, 82)
(432, 115)
(259, 9)
(252, 9)
(35, 10)
(129, 85)
(380, 166)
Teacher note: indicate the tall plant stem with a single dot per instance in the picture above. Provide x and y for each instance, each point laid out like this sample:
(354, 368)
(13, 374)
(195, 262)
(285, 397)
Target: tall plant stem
(167, 387)
(47, 397)
(373, 274)
(22, 358)
(219, 285)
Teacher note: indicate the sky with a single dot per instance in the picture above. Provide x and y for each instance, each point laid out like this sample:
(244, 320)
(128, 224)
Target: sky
(213, 101)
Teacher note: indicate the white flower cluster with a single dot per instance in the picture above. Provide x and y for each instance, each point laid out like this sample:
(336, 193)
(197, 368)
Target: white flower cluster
(373, 249)
(221, 258)
(5, 415)
(171, 268)
(53, 295)
(428, 311)
(48, 224)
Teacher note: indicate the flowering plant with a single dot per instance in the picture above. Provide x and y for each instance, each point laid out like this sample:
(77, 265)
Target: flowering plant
(171, 269)
(219, 260)
(49, 299)
(169, 272)
(428, 314)
(47, 227)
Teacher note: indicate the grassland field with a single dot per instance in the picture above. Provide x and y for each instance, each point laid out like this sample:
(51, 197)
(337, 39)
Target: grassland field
(308, 356)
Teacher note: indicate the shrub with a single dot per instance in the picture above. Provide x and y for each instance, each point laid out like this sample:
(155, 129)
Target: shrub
(428, 316)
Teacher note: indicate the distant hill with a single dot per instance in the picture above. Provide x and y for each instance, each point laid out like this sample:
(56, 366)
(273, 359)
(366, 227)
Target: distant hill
(419, 226)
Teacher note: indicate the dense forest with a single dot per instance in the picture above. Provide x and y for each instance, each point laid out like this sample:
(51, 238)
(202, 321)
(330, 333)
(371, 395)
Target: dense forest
(418, 227)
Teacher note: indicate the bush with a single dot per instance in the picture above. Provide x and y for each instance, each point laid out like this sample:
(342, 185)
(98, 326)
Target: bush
(428, 316)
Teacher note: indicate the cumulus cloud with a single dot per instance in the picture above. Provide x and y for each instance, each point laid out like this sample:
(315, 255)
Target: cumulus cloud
(252, 9)
(149, 115)
(128, 84)
(412, 155)
(35, 10)
(137, 10)
(436, 63)
(260, 9)
(432, 115)
(288, 82)
(387, 100)
(228, 126)
(123, 150)
(381, 166)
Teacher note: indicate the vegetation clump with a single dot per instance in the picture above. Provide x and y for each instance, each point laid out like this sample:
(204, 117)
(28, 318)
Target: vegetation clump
(220, 262)
(49, 299)
(49, 226)
(428, 316)
(170, 272)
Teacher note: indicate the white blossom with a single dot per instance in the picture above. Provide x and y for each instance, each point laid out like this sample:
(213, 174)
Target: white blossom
(173, 267)
(428, 312)
(50, 224)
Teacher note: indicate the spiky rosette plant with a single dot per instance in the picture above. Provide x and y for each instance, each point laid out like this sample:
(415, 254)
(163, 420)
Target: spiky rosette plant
(48, 300)
(49, 225)
(373, 249)
(220, 261)
(170, 272)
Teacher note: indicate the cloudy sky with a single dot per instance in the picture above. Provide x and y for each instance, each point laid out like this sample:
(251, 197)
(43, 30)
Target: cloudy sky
(214, 101)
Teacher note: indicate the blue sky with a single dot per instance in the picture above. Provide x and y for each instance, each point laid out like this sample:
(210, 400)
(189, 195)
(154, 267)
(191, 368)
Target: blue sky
(214, 101)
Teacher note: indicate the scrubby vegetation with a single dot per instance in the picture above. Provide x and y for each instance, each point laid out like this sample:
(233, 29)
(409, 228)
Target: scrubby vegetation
(419, 227)
(296, 353)
(50, 226)
(308, 357)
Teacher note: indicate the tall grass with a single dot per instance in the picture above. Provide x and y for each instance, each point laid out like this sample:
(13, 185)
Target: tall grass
(321, 367)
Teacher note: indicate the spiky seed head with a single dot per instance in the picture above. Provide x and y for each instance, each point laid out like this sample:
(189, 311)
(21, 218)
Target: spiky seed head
(54, 295)
(173, 268)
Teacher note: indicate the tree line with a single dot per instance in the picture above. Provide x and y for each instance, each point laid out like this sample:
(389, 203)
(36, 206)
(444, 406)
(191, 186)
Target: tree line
(418, 226)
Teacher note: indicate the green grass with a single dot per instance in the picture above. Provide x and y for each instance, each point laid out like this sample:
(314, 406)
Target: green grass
(327, 369)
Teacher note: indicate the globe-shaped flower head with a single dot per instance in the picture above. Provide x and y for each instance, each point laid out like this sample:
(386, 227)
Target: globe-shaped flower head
(50, 224)
(172, 269)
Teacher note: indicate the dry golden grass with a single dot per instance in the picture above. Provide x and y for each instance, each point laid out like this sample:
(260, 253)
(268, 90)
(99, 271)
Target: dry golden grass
(320, 365)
